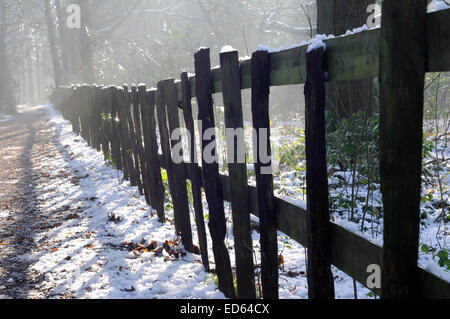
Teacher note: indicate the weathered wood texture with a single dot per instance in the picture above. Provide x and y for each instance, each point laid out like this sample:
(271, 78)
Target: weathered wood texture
(96, 119)
(124, 136)
(105, 127)
(139, 140)
(114, 133)
(213, 185)
(193, 171)
(179, 189)
(74, 111)
(136, 175)
(153, 166)
(141, 105)
(83, 100)
(402, 75)
(237, 170)
(263, 173)
(348, 57)
(320, 278)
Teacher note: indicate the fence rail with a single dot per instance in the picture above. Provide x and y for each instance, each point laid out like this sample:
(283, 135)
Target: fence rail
(348, 58)
(132, 144)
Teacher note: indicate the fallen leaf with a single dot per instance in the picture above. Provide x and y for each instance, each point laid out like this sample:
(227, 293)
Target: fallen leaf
(280, 260)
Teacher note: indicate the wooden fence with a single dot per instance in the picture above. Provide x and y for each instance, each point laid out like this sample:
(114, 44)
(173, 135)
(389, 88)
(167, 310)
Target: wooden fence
(122, 123)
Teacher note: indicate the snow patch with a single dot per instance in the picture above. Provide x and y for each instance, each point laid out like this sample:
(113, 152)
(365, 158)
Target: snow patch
(438, 5)
(227, 48)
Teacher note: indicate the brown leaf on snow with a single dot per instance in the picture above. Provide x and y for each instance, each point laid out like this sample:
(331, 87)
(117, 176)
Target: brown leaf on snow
(280, 260)
(72, 216)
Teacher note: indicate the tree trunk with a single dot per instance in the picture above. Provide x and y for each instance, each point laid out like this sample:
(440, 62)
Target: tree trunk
(6, 98)
(64, 45)
(336, 17)
(86, 50)
(52, 43)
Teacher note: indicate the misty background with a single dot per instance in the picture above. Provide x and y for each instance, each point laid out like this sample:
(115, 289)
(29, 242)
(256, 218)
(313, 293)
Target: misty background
(139, 41)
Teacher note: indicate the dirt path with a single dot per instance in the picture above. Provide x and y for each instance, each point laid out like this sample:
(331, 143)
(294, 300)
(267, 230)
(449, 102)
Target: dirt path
(57, 237)
(26, 149)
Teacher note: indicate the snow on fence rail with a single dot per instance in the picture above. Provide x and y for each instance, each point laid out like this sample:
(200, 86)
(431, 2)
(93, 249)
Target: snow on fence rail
(122, 123)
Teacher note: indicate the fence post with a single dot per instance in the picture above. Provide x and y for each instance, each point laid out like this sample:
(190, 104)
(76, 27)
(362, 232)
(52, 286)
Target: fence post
(320, 278)
(403, 51)
(153, 165)
(111, 95)
(138, 141)
(75, 110)
(127, 160)
(213, 185)
(83, 99)
(106, 139)
(237, 170)
(264, 181)
(136, 176)
(134, 162)
(142, 99)
(168, 113)
(193, 169)
(70, 108)
(95, 117)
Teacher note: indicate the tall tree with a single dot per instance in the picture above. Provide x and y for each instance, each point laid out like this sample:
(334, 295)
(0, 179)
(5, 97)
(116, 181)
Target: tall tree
(86, 43)
(64, 39)
(336, 17)
(56, 61)
(6, 97)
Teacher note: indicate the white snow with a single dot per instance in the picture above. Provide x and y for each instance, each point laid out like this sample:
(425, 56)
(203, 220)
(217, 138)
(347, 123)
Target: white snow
(314, 43)
(99, 269)
(357, 30)
(227, 48)
(84, 257)
(4, 117)
(438, 5)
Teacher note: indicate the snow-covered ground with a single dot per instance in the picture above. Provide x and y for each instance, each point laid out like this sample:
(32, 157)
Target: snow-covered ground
(91, 256)
(111, 246)
(434, 232)
(4, 117)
